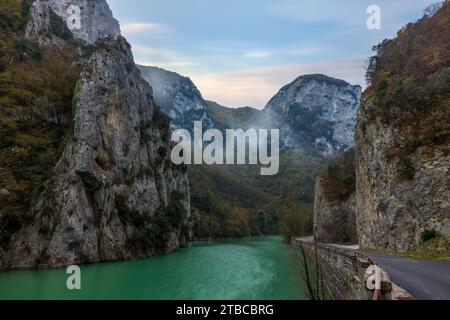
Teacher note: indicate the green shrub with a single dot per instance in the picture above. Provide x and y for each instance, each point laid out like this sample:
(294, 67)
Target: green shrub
(9, 225)
(153, 234)
(29, 145)
(162, 122)
(25, 8)
(162, 151)
(309, 122)
(129, 216)
(90, 181)
(339, 182)
(297, 222)
(2, 62)
(176, 212)
(429, 234)
(25, 48)
(44, 231)
(59, 27)
(406, 168)
(7, 21)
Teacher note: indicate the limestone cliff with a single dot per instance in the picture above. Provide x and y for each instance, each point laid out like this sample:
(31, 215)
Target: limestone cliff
(402, 138)
(316, 111)
(115, 193)
(402, 165)
(88, 20)
(178, 97)
(394, 210)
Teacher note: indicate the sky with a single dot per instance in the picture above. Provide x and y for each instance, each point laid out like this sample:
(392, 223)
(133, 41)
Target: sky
(241, 52)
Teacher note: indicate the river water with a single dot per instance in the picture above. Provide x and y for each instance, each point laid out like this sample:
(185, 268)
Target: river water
(252, 268)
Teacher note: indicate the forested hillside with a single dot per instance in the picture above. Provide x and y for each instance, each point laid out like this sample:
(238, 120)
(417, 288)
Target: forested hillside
(36, 92)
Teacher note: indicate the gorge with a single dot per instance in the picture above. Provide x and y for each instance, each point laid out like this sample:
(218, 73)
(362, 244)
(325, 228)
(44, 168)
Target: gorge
(88, 177)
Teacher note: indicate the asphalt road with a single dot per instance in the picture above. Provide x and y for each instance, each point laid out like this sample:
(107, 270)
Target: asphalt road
(425, 280)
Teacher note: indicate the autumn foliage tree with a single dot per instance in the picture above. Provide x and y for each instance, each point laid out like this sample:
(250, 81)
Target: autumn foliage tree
(409, 81)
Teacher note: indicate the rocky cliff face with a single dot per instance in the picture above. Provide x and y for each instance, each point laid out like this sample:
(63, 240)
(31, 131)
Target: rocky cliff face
(88, 20)
(178, 97)
(402, 138)
(334, 221)
(402, 143)
(394, 210)
(114, 193)
(317, 111)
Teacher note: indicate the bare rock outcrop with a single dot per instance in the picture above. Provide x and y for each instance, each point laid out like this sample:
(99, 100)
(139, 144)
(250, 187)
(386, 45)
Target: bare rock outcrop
(393, 210)
(114, 194)
(403, 138)
(402, 142)
(87, 20)
(316, 111)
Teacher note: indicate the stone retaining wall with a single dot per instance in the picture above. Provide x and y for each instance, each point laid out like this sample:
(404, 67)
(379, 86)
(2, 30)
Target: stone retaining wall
(339, 274)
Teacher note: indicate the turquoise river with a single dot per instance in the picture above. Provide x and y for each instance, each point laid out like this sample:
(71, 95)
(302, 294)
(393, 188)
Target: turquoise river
(245, 269)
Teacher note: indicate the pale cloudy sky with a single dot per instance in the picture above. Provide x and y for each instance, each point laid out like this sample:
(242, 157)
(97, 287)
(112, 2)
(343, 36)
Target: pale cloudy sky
(241, 52)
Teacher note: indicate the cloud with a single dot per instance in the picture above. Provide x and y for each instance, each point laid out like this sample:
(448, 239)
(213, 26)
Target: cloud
(255, 87)
(351, 13)
(304, 51)
(257, 54)
(146, 28)
(168, 64)
(159, 57)
(151, 51)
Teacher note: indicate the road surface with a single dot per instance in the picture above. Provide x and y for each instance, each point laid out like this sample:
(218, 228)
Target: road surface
(425, 280)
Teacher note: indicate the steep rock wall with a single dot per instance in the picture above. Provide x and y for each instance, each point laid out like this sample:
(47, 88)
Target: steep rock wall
(178, 97)
(88, 20)
(115, 193)
(393, 211)
(403, 137)
(316, 109)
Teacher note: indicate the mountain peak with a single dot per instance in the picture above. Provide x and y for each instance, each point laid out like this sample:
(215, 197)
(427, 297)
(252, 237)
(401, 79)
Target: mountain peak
(317, 101)
(321, 78)
(87, 20)
(177, 96)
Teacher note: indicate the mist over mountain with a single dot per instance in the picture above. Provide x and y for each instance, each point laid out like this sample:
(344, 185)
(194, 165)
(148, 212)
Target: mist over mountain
(315, 113)
(178, 97)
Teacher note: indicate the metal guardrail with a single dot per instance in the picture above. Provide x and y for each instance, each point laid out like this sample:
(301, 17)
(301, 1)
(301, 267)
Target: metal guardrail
(342, 251)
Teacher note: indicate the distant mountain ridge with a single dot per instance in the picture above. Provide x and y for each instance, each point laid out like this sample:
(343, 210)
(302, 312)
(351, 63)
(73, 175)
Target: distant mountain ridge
(316, 110)
(178, 97)
(235, 201)
(315, 113)
(245, 117)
